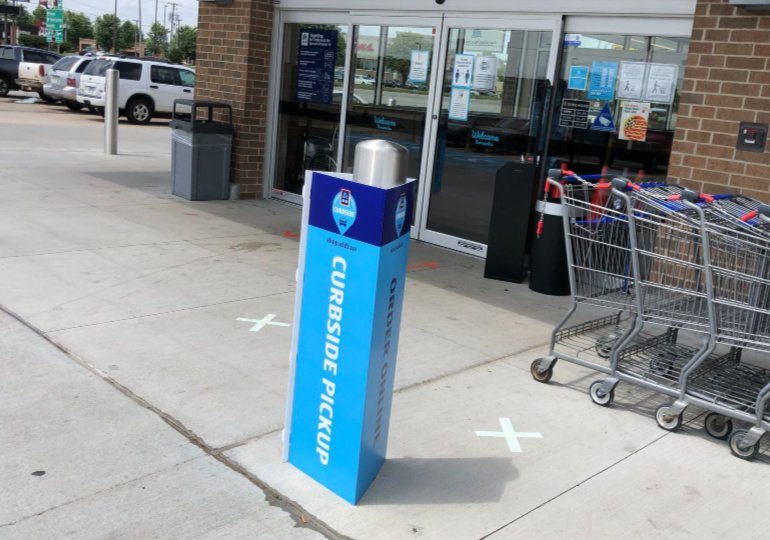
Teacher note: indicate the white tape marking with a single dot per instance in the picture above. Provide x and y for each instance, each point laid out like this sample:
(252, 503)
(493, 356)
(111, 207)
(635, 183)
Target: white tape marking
(259, 324)
(510, 435)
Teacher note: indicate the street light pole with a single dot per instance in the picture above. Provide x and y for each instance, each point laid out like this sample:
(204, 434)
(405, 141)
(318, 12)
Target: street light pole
(115, 30)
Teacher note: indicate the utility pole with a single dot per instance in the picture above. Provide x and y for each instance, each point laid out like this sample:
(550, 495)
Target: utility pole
(156, 11)
(115, 30)
(141, 36)
(173, 15)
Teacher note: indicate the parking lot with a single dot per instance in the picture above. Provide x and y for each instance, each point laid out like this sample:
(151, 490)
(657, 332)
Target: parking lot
(140, 399)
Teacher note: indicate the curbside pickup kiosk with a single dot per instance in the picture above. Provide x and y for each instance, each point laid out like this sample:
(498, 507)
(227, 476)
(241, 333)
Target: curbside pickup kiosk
(350, 292)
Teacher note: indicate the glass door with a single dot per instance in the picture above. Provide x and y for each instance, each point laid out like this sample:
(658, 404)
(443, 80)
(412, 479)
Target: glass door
(390, 90)
(310, 97)
(494, 78)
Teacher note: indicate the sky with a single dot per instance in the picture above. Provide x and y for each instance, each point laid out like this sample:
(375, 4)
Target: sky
(129, 9)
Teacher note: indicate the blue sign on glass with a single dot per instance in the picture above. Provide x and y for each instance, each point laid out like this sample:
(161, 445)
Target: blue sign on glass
(578, 78)
(601, 83)
(316, 59)
(604, 122)
(350, 294)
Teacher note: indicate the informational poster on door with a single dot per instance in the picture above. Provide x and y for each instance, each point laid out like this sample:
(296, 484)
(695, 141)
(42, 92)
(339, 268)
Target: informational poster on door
(459, 104)
(601, 83)
(631, 80)
(316, 59)
(661, 83)
(634, 120)
(463, 71)
(418, 67)
(485, 73)
(578, 78)
(574, 113)
(484, 40)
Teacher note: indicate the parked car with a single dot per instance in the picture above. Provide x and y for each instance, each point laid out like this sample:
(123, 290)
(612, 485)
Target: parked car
(24, 68)
(365, 80)
(146, 87)
(63, 80)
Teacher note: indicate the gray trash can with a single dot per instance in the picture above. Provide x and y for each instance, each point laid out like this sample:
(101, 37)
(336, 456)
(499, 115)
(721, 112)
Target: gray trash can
(200, 150)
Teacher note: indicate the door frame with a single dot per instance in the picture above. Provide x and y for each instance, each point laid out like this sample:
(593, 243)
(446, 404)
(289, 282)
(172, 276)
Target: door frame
(282, 18)
(422, 20)
(553, 23)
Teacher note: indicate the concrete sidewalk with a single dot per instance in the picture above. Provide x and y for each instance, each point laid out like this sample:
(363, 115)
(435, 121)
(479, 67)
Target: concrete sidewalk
(151, 296)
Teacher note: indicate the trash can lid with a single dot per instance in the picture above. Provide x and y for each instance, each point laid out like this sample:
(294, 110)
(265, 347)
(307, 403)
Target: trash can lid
(186, 116)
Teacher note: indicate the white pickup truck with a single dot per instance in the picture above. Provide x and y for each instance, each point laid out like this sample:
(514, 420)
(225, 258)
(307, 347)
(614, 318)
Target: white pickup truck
(24, 68)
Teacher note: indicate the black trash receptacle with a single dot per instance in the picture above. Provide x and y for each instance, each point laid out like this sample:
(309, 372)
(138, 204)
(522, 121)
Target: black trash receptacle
(548, 262)
(201, 146)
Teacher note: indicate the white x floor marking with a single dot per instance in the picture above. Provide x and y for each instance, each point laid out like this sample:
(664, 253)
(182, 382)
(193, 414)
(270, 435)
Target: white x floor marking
(259, 324)
(510, 435)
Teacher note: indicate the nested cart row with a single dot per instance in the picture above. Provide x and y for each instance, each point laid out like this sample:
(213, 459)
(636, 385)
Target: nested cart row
(649, 264)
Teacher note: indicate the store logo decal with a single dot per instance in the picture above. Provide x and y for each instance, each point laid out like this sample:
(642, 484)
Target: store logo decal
(344, 210)
(401, 214)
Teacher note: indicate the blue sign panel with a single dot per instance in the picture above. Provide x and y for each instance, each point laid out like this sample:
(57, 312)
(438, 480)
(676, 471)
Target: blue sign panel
(352, 291)
(578, 78)
(602, 80)
(604, 122)
(316, 59)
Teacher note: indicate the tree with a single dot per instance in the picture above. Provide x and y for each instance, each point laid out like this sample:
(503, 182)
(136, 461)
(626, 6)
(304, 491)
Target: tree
(78, 26)
(399, 52)
(108, 26)
(104, 31)
(30, 40)
(128, 35)
(175, 55)
(156, 39)
(185, 40)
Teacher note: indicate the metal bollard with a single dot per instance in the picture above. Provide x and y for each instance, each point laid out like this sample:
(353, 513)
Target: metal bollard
(380, 163)
(111, 112)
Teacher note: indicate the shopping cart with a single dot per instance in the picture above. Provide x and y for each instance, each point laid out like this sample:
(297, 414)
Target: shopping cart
(738, 258)
(602, 278)
(668, 234)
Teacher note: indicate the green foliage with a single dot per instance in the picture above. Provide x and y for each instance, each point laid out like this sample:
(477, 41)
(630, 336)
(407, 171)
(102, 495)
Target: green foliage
(108, 26)
(156, 39)
(128, 35)
(185, 40)
(30, 40)
(105, 30)
(399, 52)
(175, 55)
(78, 26)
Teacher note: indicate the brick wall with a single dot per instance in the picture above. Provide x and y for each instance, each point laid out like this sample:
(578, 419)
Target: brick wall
(233, 60)
(727, 80)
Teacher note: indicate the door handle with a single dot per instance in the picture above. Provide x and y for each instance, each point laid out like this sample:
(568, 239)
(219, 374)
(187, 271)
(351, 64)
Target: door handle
(154, 86)
(186, 91)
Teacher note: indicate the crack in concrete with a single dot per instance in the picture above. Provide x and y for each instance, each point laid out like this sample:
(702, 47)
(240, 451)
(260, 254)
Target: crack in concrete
(273, 497)
(586, 479)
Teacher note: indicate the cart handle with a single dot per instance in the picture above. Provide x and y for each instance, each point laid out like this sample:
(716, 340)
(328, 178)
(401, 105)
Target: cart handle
(621, 184)
(703, 196)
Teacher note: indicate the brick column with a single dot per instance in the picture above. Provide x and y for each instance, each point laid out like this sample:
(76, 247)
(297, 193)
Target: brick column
(727, 81)
(233, 62)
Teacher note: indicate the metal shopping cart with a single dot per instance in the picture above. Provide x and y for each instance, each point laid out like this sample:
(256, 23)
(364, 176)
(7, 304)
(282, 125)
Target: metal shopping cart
(667, 237)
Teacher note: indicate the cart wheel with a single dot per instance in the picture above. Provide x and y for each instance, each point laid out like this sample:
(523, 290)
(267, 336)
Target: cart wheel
(739, 447)
(717, 425)
(598, 395)
(539, 374)
(666, 420)
(604, 345)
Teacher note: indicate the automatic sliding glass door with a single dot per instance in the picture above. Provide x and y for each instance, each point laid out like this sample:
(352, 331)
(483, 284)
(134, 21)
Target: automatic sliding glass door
(310, 104)
(495, 83)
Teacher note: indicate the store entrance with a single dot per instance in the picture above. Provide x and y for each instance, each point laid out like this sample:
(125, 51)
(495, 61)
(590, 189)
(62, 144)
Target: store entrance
(464, 95)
